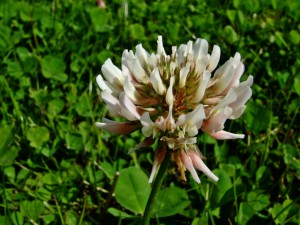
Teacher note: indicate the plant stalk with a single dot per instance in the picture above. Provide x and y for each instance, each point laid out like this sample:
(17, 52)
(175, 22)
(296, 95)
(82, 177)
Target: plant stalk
(155, 188)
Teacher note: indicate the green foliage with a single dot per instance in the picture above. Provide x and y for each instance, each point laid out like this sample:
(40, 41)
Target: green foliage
(56, 167)
(132, 190)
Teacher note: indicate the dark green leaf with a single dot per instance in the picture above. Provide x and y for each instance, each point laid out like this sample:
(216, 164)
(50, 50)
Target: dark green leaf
(170, 201)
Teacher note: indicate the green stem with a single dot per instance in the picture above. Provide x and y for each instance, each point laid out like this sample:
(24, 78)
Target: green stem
(155, 188)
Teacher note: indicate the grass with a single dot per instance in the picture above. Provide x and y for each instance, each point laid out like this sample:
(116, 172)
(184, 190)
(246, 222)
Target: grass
(58, 168)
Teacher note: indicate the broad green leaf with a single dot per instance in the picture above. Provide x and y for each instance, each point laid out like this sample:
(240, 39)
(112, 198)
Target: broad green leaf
(245, 213)
(297, 84)
(6, 220)
(6, 137)
(7, 154)
(257, 117)
(17, 218)
(258, 201)
(40, 96)
(83, 107)
(49, 219)
(99, 19)
(132, 189)
(170, 201)
(294, 37)
(280, 212)
(54, 68)
(37, 136)
(14, 69)
(10, 173)
(23, 53)
(74, 140)
(55, 106)
(137, 31)
(230, 35)
(32, 209)
(71, 217)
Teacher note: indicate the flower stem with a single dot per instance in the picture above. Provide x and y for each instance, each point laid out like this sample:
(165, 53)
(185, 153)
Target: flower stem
(155, 188)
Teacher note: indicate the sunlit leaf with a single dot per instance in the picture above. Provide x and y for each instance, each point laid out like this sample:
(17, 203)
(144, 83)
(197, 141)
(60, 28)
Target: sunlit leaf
(132, 190)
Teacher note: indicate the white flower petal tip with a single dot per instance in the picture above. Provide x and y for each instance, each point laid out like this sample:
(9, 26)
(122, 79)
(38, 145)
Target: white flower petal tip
(199, 165)
(224, 135)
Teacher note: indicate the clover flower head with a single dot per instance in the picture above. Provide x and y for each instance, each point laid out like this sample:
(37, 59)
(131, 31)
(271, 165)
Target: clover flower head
(172, 97)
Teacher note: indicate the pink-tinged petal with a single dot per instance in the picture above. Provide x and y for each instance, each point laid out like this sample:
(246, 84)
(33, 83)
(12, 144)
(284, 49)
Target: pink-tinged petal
(224, 135)
(112, 74)
(216, 121)
(238, 72)
(112, 103)
(128, 109)
(169, 95)
(157, 82)
(199, 165)
(227, 100)
(225, 75)
(187, 162)
(214, 58)
(114, 127)
(183, 75)
(158, 158)
(145, 143)
(204, 80)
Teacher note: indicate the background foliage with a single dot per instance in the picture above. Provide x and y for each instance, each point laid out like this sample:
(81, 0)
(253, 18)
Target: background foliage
(57, 168)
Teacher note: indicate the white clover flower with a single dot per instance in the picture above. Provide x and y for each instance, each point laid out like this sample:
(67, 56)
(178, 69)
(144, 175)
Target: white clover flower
(172, 97)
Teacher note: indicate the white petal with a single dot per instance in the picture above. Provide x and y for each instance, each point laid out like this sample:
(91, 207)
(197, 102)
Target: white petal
(214, 58)
(102, 84)
(160, 47)
(183, 75)
(216, 121)
(192, 121)
(142, 55)
(202, 87)
(112, 103)
(169, 95)
(224, 135)
(128, 109)
(148, 125)
(131, 91)
(157, 82)
(201, 48)
(112, 74)
(138, 71)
